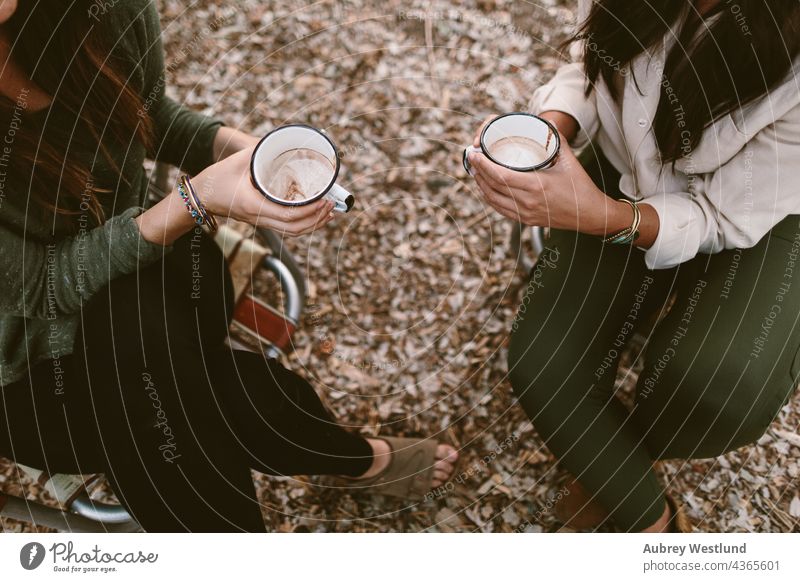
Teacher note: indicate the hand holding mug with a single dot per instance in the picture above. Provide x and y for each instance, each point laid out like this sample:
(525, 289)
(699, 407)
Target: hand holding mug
(555, 192)
(517, 141)
(227, 191)
(297, 165)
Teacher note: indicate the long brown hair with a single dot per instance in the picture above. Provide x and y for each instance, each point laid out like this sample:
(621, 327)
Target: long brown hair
(716, 66)
(67, 54)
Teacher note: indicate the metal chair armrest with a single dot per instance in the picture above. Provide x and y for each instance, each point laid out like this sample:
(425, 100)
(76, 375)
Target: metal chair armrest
(84, 506)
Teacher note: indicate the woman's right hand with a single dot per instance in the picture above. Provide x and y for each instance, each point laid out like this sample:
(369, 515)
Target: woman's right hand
(226, 190)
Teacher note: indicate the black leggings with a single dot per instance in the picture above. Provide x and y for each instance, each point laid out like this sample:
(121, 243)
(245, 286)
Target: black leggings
(152, 398)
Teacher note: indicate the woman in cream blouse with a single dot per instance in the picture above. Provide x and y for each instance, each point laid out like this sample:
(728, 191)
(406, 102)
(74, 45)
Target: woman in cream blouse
(689, 115)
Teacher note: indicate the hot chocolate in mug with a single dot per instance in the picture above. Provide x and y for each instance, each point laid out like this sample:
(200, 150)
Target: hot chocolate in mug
(518, 141)
(295, 165)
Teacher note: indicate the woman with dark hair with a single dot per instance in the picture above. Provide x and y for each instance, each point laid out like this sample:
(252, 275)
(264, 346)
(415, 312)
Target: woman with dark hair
(110, 359)
(685, 208)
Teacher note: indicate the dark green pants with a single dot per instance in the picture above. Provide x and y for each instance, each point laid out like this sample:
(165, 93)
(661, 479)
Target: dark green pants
(718, 367)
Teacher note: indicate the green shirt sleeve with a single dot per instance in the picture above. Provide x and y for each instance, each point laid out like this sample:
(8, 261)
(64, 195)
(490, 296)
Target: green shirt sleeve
(42, 280)
(183, 138)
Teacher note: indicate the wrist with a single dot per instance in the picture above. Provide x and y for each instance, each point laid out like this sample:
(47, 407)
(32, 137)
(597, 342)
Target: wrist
(617, 216)
(203, 185)
(165, 222)
(195, 205)
(179, 216)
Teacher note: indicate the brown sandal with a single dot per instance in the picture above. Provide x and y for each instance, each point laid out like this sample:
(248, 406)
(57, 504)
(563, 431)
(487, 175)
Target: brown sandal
(409, 474)
(582, 515)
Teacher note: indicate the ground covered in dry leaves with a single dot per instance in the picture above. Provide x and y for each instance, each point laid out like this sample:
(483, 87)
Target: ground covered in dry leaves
(412, 294)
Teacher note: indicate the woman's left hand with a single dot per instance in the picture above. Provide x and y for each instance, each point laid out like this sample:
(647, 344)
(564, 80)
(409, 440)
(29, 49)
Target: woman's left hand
(562, 196)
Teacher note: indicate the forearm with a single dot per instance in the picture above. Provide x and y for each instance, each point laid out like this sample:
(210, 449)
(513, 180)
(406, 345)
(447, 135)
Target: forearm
(617, 216)
(648, 230)
(565, 123)
(182, 138)
(47, 278)
(165, 222)
(228, 141)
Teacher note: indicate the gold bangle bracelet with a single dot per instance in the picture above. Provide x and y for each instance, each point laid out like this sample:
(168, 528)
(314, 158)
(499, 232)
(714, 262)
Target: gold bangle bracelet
(630, 234)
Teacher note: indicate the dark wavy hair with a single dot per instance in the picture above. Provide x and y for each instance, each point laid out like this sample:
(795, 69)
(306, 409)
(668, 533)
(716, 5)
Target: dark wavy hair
(67, 54)
(722, 60)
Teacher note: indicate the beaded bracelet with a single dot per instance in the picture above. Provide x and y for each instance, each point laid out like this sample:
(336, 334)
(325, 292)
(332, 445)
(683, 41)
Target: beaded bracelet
(630, 234)
(210, 221)
(198, 218)
(196, 207)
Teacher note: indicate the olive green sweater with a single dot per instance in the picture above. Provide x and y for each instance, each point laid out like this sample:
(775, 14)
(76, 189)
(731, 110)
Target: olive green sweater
(48, 271)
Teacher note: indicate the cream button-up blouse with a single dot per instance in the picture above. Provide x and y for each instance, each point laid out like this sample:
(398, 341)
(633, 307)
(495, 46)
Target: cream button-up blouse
(741, 180)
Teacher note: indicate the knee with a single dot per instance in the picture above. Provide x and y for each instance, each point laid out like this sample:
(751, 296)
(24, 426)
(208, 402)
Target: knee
(523, 366)
(706, 419)
(536, 375)
(260, 383)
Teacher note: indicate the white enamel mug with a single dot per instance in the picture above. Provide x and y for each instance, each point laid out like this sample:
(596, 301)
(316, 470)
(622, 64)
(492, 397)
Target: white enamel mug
(293, 137)
(518, 124)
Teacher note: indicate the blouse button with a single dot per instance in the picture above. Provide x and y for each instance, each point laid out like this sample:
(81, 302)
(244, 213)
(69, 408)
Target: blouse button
(642, 122)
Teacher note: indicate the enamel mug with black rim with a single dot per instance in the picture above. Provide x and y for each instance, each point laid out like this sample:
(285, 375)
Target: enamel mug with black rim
(297, 137)
(518, 126)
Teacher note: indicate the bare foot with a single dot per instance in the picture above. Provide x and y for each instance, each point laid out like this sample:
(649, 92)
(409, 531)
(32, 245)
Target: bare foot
(446, 456)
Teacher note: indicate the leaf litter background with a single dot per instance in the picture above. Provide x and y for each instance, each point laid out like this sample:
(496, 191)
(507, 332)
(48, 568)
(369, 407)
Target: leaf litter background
(412, 294)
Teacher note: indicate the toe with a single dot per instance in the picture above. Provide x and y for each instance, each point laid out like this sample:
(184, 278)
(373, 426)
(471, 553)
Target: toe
(444, 466)
(447, 453)
(439, 478)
